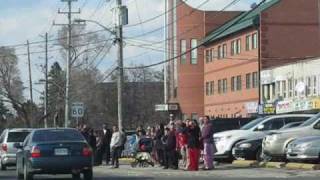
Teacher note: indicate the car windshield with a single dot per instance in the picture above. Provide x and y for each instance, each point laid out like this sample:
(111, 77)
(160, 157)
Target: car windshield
(252, 124)
(311, 120)
(57, 135)
(17, 136)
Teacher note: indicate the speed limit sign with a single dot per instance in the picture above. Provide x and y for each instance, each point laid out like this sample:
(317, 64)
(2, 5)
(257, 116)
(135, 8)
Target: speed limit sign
(77, 110)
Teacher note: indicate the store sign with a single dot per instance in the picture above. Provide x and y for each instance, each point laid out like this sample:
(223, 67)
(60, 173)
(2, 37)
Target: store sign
(316, 103)
(269, 109)
(303, 105)
(284, 107)
(252, 107)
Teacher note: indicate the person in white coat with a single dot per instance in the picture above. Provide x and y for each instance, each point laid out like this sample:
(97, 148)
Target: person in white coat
(115, 146)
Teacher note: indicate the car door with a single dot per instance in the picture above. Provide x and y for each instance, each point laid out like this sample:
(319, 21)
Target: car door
(21, 153)
(2, 139)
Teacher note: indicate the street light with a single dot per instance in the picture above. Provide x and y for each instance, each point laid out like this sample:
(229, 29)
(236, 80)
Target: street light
(119, 41)
(96, 22)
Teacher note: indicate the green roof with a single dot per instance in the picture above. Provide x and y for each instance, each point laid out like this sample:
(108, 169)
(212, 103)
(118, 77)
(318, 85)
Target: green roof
(243, 21)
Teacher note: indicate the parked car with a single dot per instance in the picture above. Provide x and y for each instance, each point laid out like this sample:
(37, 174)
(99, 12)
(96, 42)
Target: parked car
(274, 145)
(226, 141)
(252, 149)
(7, 149)
(54, 151)
(304, 149)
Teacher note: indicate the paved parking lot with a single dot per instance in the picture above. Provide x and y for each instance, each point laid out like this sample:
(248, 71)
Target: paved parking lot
(222, 172)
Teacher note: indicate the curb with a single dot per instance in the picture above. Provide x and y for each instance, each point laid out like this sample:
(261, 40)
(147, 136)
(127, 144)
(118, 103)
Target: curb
(277, 165)
(245, 163)
(302, 166)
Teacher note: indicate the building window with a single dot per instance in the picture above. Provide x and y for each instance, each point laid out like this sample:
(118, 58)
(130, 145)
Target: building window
(224, 54)
(208, 56)
(183, 50)
(220, 86)
(233, 48)
(248, 42)
(255, 41)
(194, 52)
(225, 85)
(290, 87)
(255, 80)
(248, 81)
(207, 89)
(238, 49)
(212, 55)
(278, 88)
(233, 83)
(315, 84)
(284, 89)
(211, 88)
(239, 83)
(309, 86)
(220, 52)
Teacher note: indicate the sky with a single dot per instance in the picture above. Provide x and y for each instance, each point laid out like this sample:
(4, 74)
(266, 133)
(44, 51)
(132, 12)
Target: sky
(22, 20)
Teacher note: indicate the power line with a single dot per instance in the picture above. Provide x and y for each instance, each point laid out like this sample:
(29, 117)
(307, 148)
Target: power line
(194, 48)
(155, 17)
(161, 28)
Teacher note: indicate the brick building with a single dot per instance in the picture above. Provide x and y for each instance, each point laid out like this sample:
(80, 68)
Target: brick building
(222, 78)
(187, 27)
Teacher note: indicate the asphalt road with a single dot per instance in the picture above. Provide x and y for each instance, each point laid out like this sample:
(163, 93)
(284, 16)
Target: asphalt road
(224, 172)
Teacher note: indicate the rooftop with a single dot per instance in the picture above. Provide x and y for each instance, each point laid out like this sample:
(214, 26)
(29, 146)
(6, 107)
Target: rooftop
(243, 21)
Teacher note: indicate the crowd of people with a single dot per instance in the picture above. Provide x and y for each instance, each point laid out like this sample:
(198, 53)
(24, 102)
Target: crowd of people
(177, 145)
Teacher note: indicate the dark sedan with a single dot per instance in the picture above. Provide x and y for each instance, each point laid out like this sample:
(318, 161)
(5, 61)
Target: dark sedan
(54, 151)
(249, 149)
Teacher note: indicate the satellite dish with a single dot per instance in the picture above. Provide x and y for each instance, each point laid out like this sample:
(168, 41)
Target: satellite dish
(300, 87)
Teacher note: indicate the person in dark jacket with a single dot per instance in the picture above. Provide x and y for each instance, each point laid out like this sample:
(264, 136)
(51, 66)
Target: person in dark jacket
(169, 142)
(107, 134)
(159, 145)
(209, 147)
(193, 146)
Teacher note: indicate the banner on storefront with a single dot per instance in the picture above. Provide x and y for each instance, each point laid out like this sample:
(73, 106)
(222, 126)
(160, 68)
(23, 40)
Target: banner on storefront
(284, 107)
(252, 107)
(269, 109)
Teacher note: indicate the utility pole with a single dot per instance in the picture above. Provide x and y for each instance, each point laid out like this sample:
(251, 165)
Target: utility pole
(165, 71)
(69, 59)
(119, 40)
(30, 84)
(46, 84)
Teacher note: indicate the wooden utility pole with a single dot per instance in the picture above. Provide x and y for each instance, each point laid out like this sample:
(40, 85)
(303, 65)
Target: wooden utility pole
(30, 84)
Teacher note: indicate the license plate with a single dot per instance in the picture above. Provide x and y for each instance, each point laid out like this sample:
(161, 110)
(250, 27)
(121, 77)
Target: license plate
(61, 151)
(289, 150)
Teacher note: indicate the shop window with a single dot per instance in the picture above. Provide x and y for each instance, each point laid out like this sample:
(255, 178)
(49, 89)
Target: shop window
(290, 87)
(284, 89)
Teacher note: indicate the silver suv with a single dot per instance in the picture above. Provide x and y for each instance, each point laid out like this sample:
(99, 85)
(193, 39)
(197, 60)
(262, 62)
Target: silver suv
(7, 150)
(275, 144)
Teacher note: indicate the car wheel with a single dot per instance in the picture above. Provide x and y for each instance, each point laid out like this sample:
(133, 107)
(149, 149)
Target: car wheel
(88, 174)
(76, 176)
(26, 174)
(259, 155)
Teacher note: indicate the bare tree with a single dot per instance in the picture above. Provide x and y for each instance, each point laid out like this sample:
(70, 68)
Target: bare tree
(11, 84)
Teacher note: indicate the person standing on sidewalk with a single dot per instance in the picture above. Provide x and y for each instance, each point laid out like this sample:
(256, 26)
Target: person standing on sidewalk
(193, 146)
(116, 146)
(107, 134)
(208, 142)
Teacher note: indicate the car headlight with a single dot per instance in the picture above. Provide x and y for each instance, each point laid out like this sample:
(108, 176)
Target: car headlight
(217, 139)
(245, 145)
